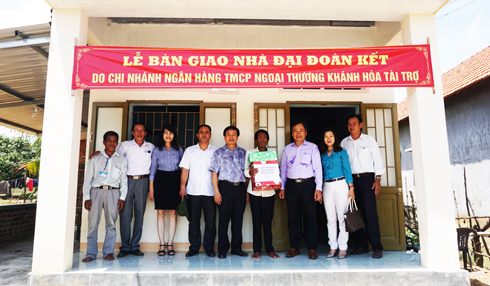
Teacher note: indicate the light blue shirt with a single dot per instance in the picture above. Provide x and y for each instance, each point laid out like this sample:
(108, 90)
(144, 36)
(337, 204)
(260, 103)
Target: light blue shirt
(336, 165)
(103, 170)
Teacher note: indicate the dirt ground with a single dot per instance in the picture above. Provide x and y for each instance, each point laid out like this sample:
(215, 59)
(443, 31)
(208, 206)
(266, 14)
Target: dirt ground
(479, 277)
(15, 262)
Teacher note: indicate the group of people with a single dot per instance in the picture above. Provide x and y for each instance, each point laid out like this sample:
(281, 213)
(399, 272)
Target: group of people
(120, 179)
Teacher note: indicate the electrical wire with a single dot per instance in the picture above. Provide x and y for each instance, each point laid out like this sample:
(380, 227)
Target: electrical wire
(455, 10)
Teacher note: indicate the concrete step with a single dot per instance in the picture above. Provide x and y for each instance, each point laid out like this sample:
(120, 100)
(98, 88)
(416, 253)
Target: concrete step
(396, 268)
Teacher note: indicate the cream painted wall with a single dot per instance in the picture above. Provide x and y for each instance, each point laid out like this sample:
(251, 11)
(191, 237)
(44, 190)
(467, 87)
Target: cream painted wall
(101, 32)
(236, 36)
(98, 31)
(367, 10)
(245, 99)
(232, 36)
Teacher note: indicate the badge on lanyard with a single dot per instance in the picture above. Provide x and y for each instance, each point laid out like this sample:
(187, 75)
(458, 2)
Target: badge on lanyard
(103, 174)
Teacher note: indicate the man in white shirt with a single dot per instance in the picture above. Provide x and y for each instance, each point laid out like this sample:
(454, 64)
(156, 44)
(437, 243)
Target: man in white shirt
(261, 202)
(200, 192)
(138, 154)
(367, 168)
(104, 187)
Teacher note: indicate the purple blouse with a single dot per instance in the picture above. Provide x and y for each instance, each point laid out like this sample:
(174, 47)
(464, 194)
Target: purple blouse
(165, 160)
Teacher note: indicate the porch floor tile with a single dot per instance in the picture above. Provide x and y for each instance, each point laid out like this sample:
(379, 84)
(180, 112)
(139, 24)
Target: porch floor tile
(152, 263)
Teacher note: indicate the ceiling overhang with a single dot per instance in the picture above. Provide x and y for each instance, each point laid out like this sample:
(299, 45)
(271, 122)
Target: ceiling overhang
(333, 10)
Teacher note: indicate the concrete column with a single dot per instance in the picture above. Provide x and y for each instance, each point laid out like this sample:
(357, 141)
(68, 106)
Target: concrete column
(435, 203)
(55, 218)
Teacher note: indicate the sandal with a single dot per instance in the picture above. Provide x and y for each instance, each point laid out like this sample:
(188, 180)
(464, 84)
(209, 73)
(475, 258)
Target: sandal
(273, 255)
(171, 252)
(162, 252)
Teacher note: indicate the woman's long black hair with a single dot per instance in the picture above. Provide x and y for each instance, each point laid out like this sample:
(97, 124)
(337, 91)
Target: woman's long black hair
(336, 145)
(175, 141)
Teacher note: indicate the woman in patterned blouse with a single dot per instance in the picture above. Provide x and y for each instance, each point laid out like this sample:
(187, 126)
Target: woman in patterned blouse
(165, 184)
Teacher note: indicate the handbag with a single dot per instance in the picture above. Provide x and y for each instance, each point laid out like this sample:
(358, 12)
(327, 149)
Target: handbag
(353, 217)
(182, 209)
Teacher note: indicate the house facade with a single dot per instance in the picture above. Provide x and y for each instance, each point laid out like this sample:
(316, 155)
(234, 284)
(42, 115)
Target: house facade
(250, 25)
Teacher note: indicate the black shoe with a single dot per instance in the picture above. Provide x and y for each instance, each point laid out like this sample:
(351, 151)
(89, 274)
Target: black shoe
(359, 251)
(122, 254)
(137, 252)
(377, 253)
(191, 253)
(210, 253)
(221, 255)
(240, 253)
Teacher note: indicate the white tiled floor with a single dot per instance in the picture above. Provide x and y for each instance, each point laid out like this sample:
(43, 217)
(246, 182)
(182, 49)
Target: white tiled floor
(151, 262)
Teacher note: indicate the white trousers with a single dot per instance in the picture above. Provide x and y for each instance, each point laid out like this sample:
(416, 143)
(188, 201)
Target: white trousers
(335, 202)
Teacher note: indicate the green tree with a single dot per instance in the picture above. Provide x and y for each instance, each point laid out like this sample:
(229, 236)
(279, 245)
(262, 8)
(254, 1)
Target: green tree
(16, 152)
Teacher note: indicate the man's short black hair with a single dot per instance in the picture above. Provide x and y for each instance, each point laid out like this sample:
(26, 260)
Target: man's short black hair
(256, 136)
(359, 117)
(231, 127)
(203, 125)
(300, 122)
(111, 133)
(138, 123)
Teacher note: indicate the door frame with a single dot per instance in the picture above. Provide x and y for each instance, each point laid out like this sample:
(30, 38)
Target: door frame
(281, 243)
(230, 105)
(93, 123)
(287, 123)
(398, 188)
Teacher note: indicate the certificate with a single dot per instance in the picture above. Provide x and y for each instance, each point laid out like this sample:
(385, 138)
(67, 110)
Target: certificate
(267, 176)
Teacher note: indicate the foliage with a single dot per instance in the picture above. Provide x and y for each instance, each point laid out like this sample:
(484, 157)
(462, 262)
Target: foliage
(412, 235)
(17, 152)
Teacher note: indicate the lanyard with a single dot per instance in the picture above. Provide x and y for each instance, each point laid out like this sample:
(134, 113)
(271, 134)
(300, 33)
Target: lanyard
(106, 163)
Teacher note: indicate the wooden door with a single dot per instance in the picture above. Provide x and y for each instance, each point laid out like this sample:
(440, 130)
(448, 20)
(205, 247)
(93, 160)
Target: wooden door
(107, 116)
(218, 116)
(380, 122)
(274, 118)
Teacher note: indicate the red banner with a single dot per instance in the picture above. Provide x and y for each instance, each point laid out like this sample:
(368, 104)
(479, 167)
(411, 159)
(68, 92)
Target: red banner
(125, 67)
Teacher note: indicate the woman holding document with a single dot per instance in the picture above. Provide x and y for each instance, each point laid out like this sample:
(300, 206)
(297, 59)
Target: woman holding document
(261, 198)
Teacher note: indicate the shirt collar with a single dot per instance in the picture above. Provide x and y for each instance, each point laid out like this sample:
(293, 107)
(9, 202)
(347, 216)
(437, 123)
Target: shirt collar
(360, 137)
(134, 143)
(236, 148)
(107, 156)
(210, 147)
(305, 143)
(257, 149)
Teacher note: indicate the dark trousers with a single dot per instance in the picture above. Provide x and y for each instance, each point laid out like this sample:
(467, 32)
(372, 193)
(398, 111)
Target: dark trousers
(135, 199)
(234, 200)
(366, 202)
(300, 199)
(262, 214)
(196, 205)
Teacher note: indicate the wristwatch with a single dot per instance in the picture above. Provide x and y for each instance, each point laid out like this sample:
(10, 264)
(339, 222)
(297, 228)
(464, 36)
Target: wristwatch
(378, 177)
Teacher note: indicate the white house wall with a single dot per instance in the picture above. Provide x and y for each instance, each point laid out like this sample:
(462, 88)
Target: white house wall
(231, 36)
(351, 10)
(98, 31)
(238, 36)
(245, 99)
(103, 32)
